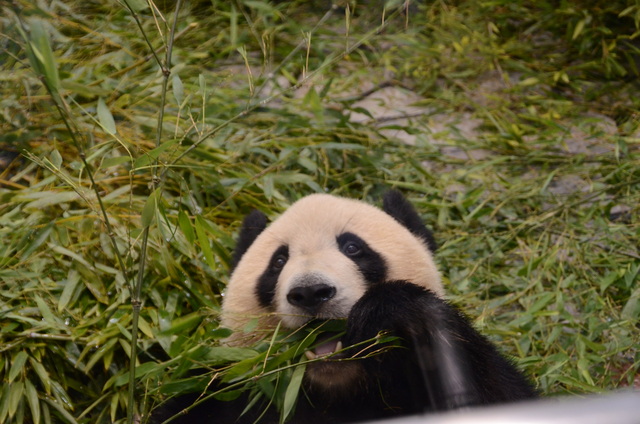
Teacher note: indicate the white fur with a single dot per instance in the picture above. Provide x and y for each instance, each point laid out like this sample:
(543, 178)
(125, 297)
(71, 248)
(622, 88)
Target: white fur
(310, 227)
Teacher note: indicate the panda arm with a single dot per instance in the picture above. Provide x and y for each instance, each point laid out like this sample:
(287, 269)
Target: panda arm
(450, 362)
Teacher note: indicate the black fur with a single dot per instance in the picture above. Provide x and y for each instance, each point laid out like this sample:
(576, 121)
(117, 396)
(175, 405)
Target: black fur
(252, 226)
(457, 366)
(394, 204)
(266, 288)
(369, 262)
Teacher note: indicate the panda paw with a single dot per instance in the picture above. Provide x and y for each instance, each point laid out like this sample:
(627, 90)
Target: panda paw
(396, 307)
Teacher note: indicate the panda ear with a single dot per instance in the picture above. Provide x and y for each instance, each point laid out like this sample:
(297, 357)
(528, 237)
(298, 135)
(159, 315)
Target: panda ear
(402, 211)
(252, 226)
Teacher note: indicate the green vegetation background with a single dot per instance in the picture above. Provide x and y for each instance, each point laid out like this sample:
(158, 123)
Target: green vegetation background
(124, 176)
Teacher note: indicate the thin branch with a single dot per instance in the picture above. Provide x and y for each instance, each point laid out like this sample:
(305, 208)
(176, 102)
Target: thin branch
(136, 295)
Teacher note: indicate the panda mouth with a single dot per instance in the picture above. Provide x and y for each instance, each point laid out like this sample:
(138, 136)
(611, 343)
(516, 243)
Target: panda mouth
(327, 345)
(328, 342)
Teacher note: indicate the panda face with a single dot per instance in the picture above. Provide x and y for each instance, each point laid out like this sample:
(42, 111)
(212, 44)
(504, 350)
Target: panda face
(317, 259)
(318, 276)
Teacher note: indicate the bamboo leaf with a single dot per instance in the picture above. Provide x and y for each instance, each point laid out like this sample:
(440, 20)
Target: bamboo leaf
(186, 227)
(38, 240)
(115, 401)
(100, 353)
(16, 390)
(69, 253)
(291, 395)
(50, 198)
(56, 159)
(69, 287)
(42, 373)
(47, 315)
(221, 354)
(105, 117)
(203, 240)
(32, 399)
(67, 416)
(578, 29)
(631, 309)
(149, 209)
(114, 161)
(4, 402)
(138, 5)
(41, 47)
(183, 324)
(178, 89)
(150, 156)
(18, 364)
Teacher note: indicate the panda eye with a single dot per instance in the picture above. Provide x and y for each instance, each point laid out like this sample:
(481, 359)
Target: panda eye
(351, 248)
(278, 262)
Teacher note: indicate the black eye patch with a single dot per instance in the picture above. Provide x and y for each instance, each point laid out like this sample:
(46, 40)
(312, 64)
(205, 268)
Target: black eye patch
(266, 288)
(369, 262)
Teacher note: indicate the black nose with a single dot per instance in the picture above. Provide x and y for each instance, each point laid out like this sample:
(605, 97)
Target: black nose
(311, 297)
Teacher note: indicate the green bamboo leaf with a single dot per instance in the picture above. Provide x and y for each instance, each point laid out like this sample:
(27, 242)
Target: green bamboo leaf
(203, 85)
(221, 354)
(67, 416)
(138, 5)
(50, 198)
(41, 48)
(144, 326)
(152, 155)
(115, 402)
(312, 101)
(543, 300)
(17, 364)
(32, 399)
(100, 353)
(204, 242)
(578, 29)
(4, 402)
(105, 117)
(183, 324)
(291, 394)
(186, 227)
(118, 160)
(150, 207)
(178, 89)
(529, 82)
(69, 287)
(141, 370)
(330, 145)
(37, 241)
(126, 333)
(216, 234)
(47, 315)
(16, 390)
(260, 6)
(46, 415)
(56, 159)
(42, 373)
(631, 309)
(69, 253)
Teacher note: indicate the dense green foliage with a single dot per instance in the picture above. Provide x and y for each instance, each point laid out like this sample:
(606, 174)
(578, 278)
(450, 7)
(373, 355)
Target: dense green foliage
(123, 178)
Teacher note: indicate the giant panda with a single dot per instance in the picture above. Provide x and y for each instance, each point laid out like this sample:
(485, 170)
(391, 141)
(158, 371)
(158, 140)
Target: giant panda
(329, 257)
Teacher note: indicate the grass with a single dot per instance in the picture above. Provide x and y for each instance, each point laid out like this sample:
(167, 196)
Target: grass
(525, 163)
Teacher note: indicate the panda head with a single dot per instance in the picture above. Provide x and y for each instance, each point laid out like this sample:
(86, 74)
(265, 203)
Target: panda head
(319, 257)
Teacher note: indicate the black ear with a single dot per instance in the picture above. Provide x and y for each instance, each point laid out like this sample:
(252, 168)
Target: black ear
(402, 211)
(252, 226)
